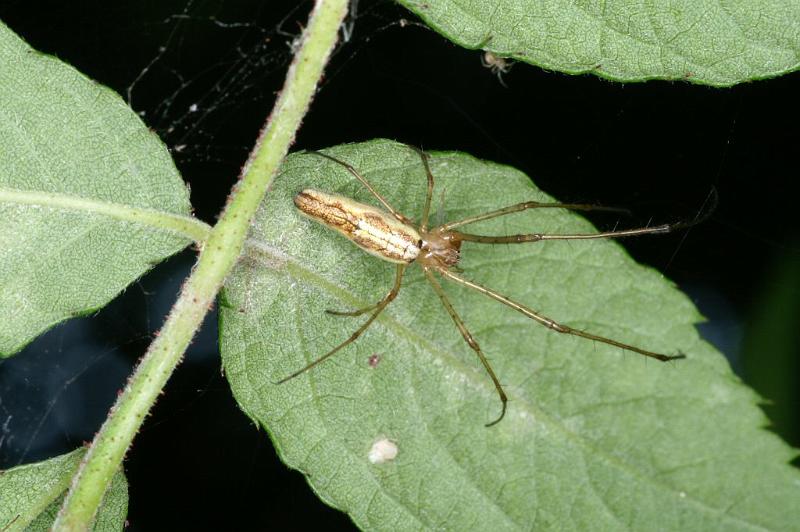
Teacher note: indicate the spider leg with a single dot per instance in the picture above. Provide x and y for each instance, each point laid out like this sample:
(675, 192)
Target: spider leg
(499, 73)
(367, 184)
(531, 205)
(550, 323)
(357, 312)
(538, 237)
(429, 192)
(706, 210)
(382, 304)
(470, 341)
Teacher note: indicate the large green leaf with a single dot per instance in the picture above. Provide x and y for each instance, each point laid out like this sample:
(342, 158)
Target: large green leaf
(89, 197)
(715, 42)
(594, 437)
(31, 494)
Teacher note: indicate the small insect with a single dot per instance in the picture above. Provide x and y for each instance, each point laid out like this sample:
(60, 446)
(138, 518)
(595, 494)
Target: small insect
(497, 65)
(391, 236)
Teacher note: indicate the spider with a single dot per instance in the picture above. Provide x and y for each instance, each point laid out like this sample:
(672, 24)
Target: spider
(497, 65)
(392, 236)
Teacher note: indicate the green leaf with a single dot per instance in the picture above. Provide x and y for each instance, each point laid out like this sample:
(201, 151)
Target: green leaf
(31, 494)
(713, 42)
(89, 197)
(594, 437)
(769, 346)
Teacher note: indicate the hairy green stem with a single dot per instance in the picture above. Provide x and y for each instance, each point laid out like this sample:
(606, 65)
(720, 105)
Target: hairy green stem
(216, 259)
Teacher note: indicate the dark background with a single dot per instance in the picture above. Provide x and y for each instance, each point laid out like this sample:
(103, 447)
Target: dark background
(657, 148)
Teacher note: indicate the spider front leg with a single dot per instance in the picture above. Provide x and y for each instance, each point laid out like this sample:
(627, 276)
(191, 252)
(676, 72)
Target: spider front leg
(518, 207)
(708, 207)
(382, 304)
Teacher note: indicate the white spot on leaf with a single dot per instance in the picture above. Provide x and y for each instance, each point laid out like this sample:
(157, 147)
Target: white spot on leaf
(383, 450)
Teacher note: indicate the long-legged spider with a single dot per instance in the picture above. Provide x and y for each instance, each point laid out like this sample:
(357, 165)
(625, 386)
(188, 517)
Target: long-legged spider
(394, 237)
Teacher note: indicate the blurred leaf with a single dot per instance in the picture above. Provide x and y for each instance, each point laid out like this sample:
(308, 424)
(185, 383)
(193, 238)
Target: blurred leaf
(595, 438)
(31, 495)
(704, 41)
(83, 186)
(770, 353)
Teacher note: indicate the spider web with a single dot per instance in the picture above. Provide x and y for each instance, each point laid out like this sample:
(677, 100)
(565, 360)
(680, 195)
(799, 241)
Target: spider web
(56, 392)
(194, 105)
(185, 103)
(202, 66)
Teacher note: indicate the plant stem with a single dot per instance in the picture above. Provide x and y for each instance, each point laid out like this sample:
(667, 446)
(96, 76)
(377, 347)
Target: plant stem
(216, 259)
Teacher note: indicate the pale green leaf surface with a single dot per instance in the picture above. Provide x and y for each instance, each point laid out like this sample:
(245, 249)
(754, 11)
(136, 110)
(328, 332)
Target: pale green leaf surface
(714, 42)
(78, 172)
(594, 438)
(31, 494)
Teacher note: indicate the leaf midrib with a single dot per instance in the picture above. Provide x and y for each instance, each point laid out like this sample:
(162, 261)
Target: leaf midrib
(187, 226)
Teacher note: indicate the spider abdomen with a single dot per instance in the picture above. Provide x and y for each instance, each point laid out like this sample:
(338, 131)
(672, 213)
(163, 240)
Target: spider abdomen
(375, 231)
